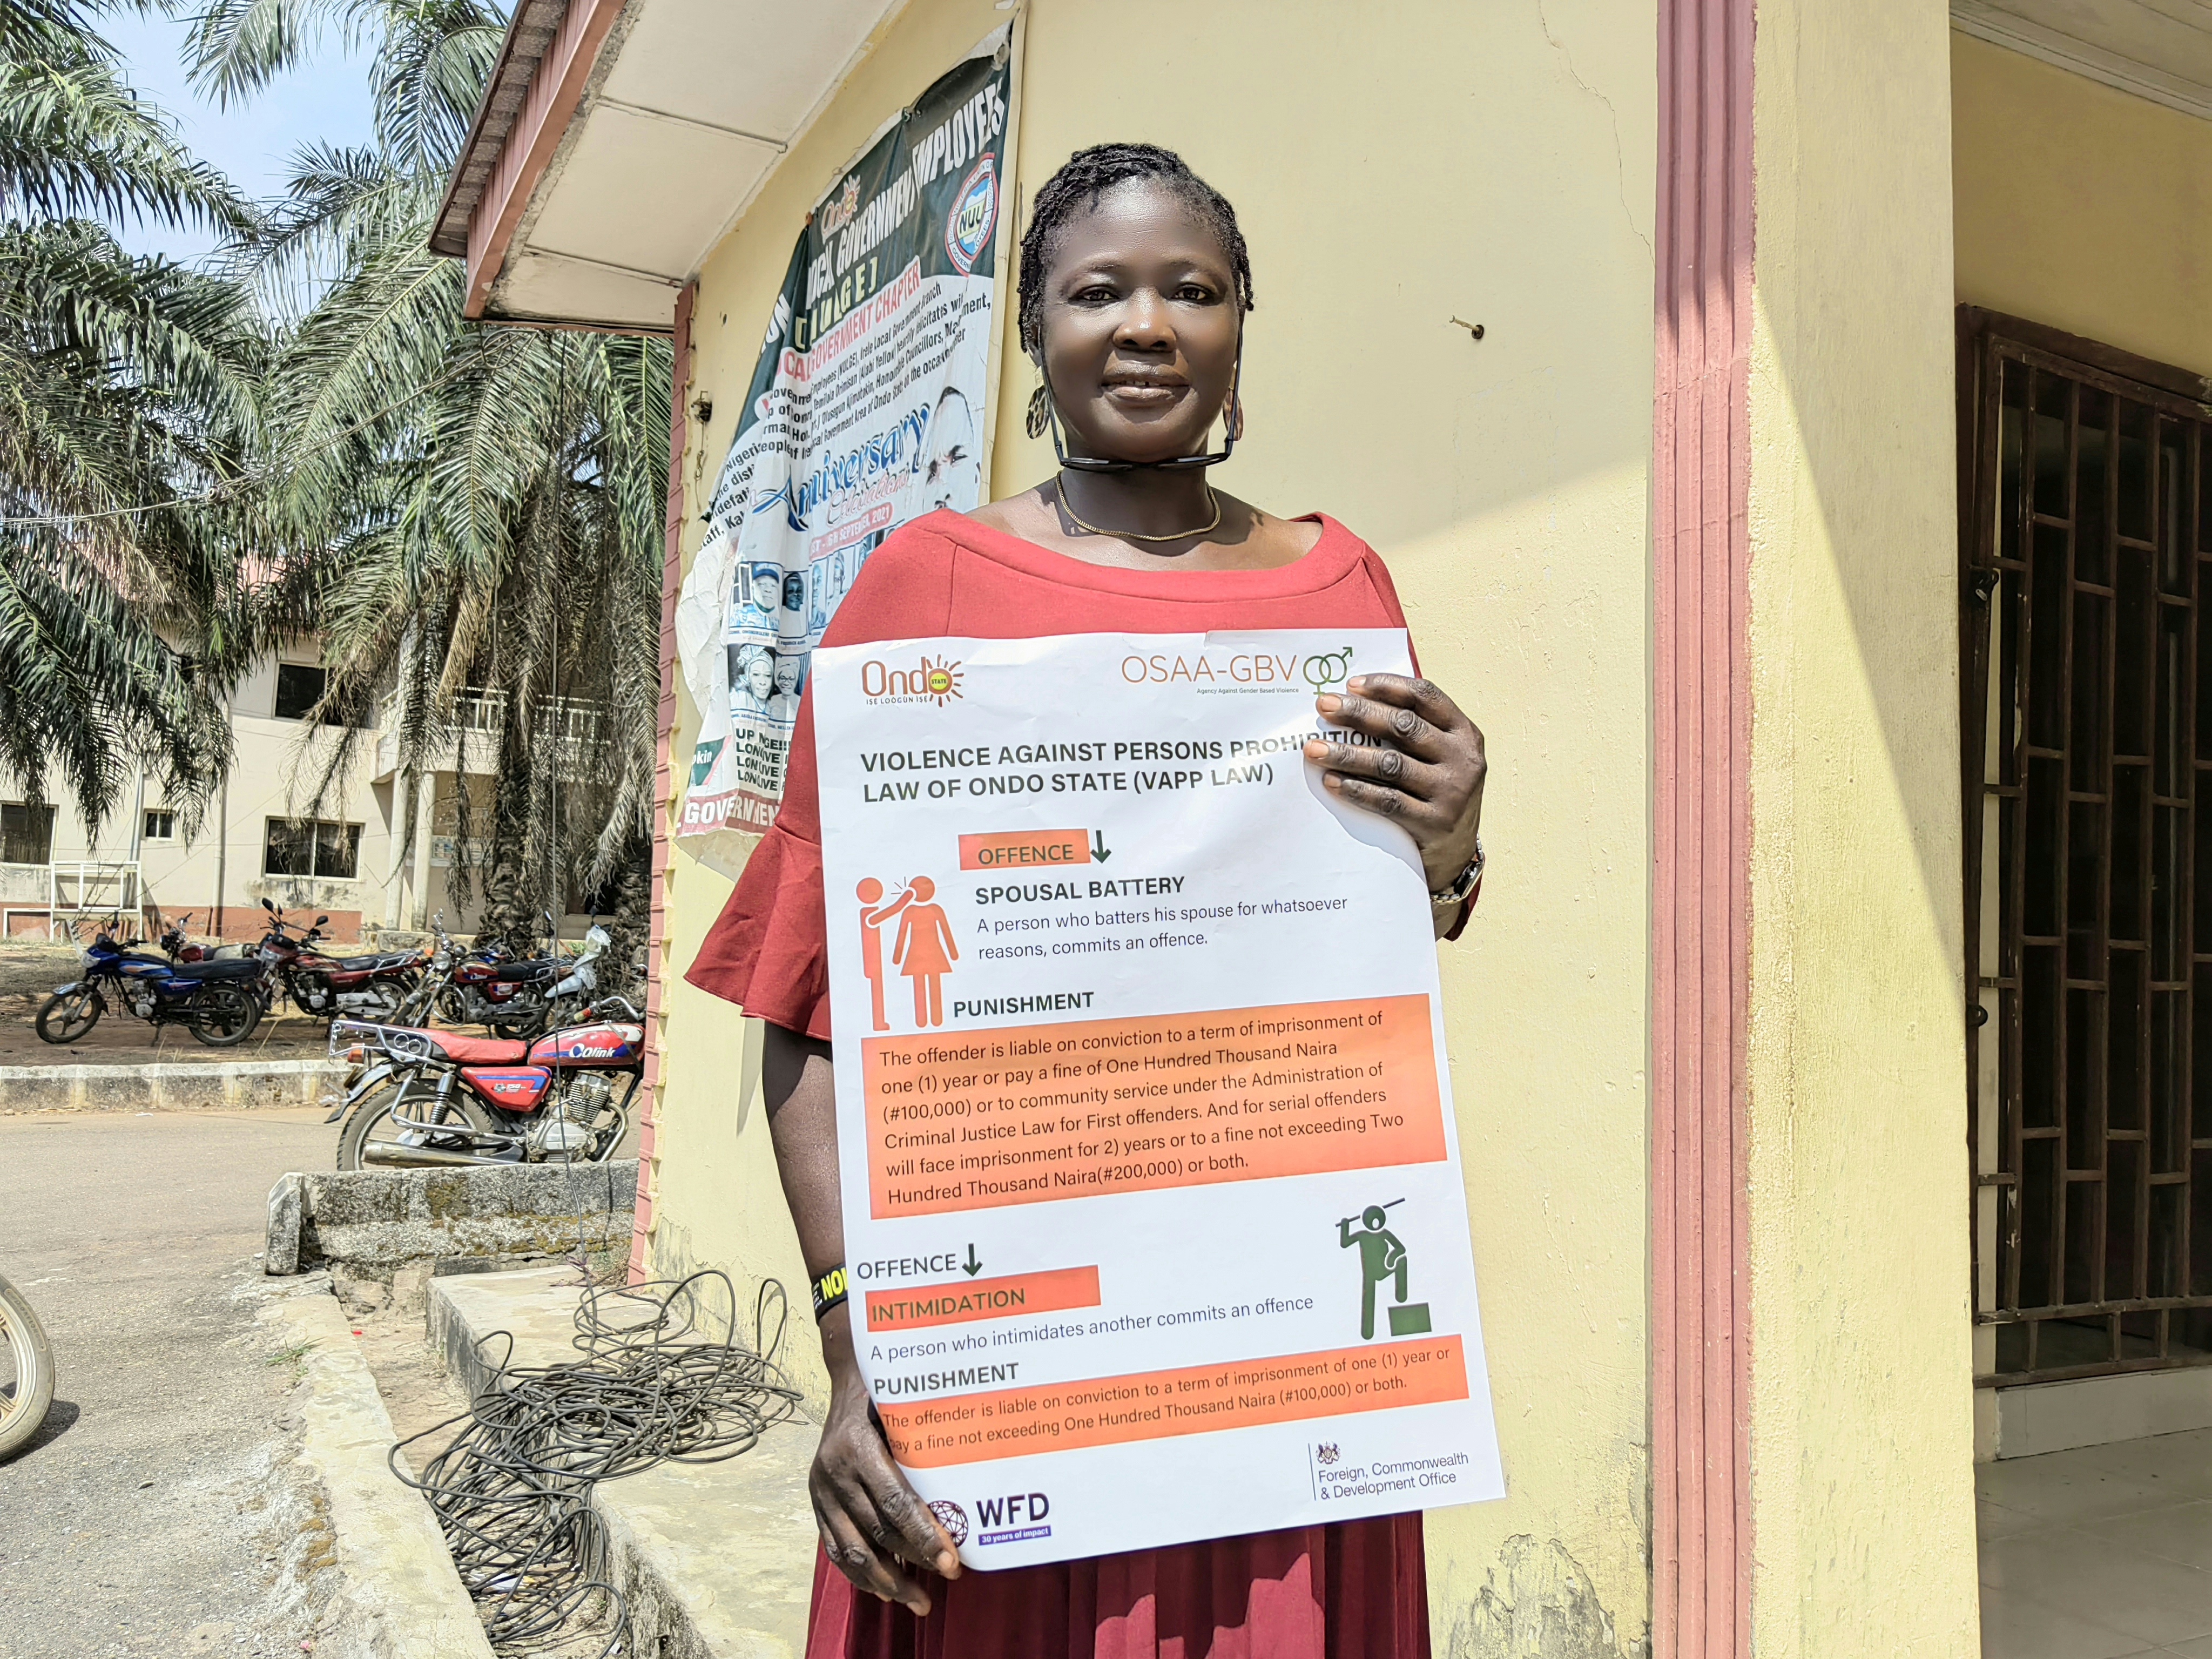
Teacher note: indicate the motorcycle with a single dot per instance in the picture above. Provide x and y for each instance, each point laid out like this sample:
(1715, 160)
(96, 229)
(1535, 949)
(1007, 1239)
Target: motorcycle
(219, 1001)
(371, 988)
(429, 1097)
(27, 1371)
(516, 999)
(177, 945)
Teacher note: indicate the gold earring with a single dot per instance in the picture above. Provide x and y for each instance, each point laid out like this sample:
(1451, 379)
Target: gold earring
(1040, 412)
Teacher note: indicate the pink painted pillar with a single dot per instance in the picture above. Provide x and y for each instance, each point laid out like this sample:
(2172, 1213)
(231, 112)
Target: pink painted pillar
(1700, 893)
(671, 577)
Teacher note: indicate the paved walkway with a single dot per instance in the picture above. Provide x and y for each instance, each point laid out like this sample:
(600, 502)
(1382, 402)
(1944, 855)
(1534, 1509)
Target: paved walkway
(146, 1519)
(2098, 1553)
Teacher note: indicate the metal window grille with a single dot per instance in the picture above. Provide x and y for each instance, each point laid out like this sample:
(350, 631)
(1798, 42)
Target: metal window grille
(2088, 759)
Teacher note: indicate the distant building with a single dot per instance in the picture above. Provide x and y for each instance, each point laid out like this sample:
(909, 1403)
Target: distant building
(350, 861)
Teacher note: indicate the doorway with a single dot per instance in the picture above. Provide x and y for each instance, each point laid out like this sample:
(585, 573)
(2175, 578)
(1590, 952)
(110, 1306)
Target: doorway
(2087, 753)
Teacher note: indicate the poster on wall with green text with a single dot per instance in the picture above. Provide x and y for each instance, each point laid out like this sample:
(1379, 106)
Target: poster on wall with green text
(866, 411)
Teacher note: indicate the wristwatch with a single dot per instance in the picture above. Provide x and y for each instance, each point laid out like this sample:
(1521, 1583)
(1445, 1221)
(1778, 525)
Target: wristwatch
(1469, 879)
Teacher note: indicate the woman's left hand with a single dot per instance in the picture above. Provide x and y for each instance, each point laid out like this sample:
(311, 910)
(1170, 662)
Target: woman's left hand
(1423, 766)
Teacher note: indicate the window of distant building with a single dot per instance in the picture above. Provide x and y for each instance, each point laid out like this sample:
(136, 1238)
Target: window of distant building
(161, 824)
(26, 833)
(299, 688)
(300, 846)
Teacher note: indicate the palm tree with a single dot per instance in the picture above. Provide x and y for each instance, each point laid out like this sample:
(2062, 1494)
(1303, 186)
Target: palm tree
(127, 408)
(474, 506)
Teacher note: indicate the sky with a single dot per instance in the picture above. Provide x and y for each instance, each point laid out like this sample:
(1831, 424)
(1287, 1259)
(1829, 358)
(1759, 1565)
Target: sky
(327, 99)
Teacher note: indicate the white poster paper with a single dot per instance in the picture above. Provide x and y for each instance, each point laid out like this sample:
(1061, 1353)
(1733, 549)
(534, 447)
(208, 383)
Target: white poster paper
(1154, 1221)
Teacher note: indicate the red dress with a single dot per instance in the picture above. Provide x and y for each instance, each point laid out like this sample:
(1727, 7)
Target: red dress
(1354, 1589)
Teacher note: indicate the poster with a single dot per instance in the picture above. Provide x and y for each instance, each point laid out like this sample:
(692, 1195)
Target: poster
(866, 411)
(1154, 1223)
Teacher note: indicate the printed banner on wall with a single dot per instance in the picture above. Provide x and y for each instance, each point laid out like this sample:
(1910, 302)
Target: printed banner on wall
(1154, 1218)
(866, 411)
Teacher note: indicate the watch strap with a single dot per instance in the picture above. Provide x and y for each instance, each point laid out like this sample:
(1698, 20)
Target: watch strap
(1464, 887)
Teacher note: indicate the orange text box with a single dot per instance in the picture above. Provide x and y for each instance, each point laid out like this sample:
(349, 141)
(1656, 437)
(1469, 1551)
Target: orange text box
(958, 1301)
(1114, 1411)
(1024, 1115)
(1025, 850)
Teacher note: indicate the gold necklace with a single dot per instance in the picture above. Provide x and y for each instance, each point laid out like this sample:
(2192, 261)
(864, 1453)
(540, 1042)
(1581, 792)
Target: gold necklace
(1207, 528)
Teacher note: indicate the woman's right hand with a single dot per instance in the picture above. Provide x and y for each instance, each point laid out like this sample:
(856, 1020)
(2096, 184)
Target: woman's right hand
(874, 1526)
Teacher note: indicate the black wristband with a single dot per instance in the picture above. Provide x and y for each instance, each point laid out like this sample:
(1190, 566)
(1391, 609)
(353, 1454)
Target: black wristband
(828, 1291)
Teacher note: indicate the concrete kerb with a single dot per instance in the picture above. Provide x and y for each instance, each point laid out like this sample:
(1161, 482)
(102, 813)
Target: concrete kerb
(401, 1597)
(375, 1228)
(715, 1560)
(220, 1086)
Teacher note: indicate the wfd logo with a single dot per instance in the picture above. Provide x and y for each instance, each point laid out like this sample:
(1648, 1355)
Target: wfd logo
(1018, 1516)
(936, 681)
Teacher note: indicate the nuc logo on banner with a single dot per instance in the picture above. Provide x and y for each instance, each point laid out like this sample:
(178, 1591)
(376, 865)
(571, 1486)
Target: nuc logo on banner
(929, 679)
(975, 215)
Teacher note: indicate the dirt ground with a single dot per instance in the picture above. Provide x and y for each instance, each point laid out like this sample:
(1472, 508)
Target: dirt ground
(30, 970)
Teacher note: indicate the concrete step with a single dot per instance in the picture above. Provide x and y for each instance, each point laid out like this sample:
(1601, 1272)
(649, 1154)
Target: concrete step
(171, 1086)
(401, 1597)
(717, 1559)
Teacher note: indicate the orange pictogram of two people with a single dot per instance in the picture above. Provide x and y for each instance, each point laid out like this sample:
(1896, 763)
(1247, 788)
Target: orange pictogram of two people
(923, 950)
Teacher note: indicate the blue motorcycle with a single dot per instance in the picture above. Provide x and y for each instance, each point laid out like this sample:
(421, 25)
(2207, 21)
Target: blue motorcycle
(218, 1001)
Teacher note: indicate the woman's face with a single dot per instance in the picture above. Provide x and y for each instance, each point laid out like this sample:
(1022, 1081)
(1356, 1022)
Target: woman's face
(1140, 326)
(760, 678)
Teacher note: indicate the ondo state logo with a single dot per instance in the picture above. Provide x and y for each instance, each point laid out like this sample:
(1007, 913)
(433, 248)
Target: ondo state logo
(952, 1518)
(975, 215)
(931, 680)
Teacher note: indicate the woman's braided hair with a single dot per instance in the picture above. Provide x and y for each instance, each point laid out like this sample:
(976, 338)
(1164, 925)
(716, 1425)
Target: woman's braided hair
(1075, 190)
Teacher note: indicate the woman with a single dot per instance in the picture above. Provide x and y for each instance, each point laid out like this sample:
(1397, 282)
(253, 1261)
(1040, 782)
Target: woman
(1134, 286)
(925, 951)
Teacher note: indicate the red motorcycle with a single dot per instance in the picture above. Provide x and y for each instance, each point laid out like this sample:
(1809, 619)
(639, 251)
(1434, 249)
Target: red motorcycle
(365, 987)
(420, 1096)
(516, 997)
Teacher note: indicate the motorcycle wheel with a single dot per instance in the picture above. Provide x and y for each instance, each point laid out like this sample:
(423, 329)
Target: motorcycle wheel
(370, 1129)
(65, 1019)
(525, 1029)
(225, 1014)
(451, 1006)
(27, 1371)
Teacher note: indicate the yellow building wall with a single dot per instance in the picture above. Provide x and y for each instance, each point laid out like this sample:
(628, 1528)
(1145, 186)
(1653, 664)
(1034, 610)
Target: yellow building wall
(1394, 169)
(2081, 206)
(1861, 1417)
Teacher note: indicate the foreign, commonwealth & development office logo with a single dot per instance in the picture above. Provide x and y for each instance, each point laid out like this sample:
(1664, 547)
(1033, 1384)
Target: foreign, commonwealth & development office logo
(951, 1516)
(931, 680)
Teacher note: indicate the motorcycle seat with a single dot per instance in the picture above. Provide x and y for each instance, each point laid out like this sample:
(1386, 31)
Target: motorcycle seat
(537, 969)
(475, 1051)
(369, 965)
(222, 967)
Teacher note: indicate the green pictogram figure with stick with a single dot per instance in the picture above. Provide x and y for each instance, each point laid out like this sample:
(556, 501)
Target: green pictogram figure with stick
(1381, 1259)
(1381, 1256)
